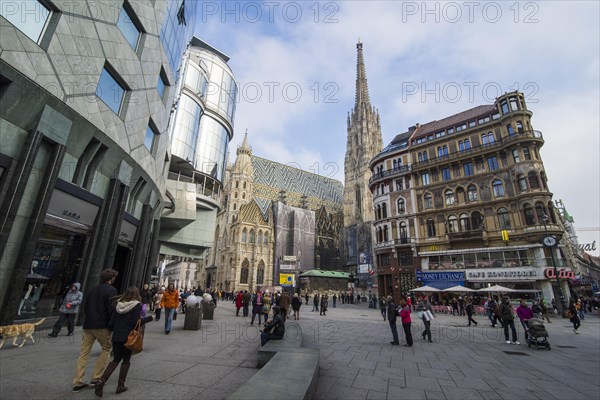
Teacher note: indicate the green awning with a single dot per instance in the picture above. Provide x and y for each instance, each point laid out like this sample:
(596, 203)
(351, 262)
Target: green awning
(319, 273)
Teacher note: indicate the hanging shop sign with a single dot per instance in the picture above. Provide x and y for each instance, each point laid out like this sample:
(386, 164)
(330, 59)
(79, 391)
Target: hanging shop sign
(287, 279)
(562, 274)
(504, 274)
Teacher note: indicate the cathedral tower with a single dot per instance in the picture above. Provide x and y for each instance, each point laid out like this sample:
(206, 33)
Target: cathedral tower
(364, 142)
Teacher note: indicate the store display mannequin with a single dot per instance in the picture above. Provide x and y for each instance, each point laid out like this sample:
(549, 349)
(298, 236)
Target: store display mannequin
(27, 294)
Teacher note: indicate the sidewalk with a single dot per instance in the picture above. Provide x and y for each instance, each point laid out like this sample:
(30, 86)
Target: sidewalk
(206, 364)
(357, 361)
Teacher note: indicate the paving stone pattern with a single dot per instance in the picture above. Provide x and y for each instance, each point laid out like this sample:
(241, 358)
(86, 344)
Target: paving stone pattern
(356, 361)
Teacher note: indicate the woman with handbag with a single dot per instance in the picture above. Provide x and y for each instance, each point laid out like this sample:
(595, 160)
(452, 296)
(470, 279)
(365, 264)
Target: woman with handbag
(125, 319)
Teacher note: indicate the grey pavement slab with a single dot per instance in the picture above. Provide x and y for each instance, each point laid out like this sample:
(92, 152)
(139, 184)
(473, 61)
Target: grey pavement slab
(355, 359)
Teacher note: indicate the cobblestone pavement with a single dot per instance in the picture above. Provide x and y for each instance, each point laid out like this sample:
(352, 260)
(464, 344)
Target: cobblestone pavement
(357, 361)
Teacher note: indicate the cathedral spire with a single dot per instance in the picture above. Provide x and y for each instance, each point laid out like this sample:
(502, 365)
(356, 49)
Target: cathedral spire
(362, 89)
(244, 147)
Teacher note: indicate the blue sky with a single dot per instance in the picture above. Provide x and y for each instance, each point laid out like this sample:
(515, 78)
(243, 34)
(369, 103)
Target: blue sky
(295, 63)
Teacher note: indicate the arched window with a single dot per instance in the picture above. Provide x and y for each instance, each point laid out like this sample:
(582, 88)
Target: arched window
(450, 199)
(498, 188)
(384, 210)
(379, 235)
(357, 198)
(385, 233)
(516, 156)
(266, 238)
(529, 215)
(540, 211)
(244, 272)
(464, 222)
(428, 201)
(472, 194)
(378, 211)
(534, 182)
(487, 139)
(510, 130)
(252, 238)
(503, 218)
(395, 164)
(244, 235)
(243, 195)
(244, 185)
(522, 183)
(260, 273)
(551, 212)
(260, 238)
(403, 232)
(236, 195)
(476, 221)
(234, 206)
(544, 180)
(431, 228)
(237, 184)
(401, 206)
(452, 224)
(520, 127)
(526, 154)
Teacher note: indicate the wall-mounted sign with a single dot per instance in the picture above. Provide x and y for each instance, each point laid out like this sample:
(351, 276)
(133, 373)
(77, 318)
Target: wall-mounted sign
(287, 279)
(289, 258)
(71, 208)
(503, 274)
(443, 280)
(562, 274)
(127, 231)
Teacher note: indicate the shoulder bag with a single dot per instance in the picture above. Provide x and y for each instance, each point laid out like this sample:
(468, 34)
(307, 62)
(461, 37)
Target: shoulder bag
(135, 340)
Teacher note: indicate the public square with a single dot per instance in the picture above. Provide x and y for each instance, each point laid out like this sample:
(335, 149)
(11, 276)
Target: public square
(356, 360)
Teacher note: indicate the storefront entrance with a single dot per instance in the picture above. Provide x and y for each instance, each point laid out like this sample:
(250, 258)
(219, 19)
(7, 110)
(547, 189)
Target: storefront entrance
(55, 267)
(120, 265)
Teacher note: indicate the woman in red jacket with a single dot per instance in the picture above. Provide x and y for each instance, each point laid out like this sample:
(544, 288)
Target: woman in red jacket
(239, 303)
(406, 322)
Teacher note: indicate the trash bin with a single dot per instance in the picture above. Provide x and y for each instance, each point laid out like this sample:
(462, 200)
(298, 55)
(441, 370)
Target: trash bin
(193, 319)
(208, 310)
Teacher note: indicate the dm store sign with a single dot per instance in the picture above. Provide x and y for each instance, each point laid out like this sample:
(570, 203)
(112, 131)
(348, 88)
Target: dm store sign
(443, 280)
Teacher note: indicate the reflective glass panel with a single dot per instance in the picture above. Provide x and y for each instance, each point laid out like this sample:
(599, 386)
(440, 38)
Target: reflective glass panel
(27, 16)
(126, 25)
(110, 91)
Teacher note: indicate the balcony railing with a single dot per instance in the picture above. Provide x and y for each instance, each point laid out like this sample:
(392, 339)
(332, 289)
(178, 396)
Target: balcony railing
(480, 149)
(389, 173)
(468, 235)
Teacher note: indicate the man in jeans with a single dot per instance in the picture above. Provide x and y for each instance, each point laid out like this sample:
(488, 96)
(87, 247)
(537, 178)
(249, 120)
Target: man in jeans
(98, 308)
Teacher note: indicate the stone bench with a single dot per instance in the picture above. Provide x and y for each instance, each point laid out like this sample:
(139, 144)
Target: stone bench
(290, 371)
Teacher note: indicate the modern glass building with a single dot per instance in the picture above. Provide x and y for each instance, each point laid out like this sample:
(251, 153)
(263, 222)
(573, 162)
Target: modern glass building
(86, 90)
(200, 131)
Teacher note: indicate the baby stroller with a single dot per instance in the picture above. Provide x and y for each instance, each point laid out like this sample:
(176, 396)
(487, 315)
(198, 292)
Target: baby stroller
(538, 335)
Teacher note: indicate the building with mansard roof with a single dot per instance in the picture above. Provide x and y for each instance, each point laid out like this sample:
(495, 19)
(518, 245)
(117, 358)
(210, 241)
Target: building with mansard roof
(276, 221)
(465, 200)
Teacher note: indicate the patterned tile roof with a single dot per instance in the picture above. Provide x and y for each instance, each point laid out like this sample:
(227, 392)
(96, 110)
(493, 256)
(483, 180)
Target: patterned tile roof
(271, 177)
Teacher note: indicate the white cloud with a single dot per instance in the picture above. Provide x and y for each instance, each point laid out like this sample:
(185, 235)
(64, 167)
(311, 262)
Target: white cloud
(557, 57)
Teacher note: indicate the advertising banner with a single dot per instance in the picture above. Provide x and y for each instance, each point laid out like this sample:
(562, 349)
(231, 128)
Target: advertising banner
(504, 274)
(443, 280)
(287, 279)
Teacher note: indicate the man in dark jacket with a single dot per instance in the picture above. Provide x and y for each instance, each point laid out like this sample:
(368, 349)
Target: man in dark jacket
(98, 307)
(246, 299)
(274, 329)
(391, 315)
(506, 312)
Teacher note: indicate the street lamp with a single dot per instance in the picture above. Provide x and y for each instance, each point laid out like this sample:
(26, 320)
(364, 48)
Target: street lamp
(550, 242)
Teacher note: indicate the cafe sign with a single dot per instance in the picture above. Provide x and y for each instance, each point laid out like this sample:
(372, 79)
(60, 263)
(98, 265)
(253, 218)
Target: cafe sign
(503, 274)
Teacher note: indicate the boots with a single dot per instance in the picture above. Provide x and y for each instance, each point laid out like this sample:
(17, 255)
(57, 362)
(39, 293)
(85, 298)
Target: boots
(98, 388)
(122, 376)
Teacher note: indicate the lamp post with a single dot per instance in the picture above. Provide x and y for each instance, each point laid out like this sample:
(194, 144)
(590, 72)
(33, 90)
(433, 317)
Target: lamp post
(550, 242)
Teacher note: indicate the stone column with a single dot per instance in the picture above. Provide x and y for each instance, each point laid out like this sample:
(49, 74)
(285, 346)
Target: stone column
(29, 241)
(135, 269)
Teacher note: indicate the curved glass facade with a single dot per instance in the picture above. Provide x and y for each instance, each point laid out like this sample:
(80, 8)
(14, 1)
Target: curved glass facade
(222, 89)
(186, 128)
(212, 148)
(196, 80)
(177, 28)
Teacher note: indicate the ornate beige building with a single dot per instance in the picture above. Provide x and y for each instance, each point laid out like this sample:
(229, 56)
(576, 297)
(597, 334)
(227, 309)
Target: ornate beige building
(465, 200)
(364, 142)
